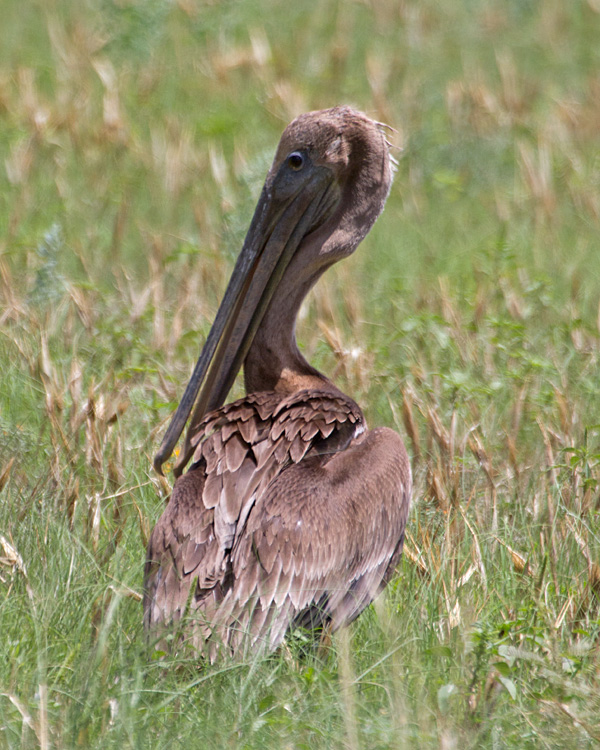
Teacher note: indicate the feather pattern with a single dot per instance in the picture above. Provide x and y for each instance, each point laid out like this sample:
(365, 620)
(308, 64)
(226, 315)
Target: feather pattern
(256, 528)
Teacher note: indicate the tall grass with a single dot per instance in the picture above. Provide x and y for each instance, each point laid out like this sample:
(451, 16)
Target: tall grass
(134, 138)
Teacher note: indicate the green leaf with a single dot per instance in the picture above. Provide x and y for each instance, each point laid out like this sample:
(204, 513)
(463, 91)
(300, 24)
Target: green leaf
(509, 685)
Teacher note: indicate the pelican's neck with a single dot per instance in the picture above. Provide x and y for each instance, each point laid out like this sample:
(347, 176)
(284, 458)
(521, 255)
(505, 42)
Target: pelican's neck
(274, 362)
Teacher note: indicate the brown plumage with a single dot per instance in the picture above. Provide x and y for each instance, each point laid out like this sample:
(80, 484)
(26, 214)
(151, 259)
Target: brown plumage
(292, 513)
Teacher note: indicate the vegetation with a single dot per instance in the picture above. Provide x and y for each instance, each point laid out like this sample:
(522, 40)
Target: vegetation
(134, 139)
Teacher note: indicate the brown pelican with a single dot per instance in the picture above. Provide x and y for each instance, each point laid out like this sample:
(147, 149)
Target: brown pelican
(292, 512)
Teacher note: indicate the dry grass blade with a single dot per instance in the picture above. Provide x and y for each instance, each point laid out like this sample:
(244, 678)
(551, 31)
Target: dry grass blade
(476, 551)
(440, 433)
(54, 401)
(584, 547)
(113, 120)
(5, 473)
(94, 511)
(592, 731)
(563, 613)
(144, 525)
(550, 458)
(466, 577)
(436, 490)
(409, 423)
(520, 563)
(452, 609)
(83, 305)
(14, 561)
(537, 174)
(482, 457)
(13, 309)
(25, 715)
(126, 592)
(43, 720)
(11, 557)
(416, 558)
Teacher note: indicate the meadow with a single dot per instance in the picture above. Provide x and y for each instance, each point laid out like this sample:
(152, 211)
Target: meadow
(134, 139)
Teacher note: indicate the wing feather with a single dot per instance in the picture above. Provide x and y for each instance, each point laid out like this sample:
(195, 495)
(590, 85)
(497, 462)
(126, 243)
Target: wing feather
(289, 514)
(236, 449)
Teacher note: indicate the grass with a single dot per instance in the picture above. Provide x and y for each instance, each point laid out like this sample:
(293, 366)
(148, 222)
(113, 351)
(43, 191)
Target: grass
(134, 139)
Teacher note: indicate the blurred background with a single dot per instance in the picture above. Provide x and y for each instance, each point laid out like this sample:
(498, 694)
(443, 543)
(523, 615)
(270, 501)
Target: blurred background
(134, 140)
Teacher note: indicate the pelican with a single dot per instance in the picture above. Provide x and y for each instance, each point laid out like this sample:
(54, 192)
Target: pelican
(292, 512)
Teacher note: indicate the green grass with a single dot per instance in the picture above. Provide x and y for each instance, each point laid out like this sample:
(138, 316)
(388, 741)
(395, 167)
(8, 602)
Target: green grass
(134, 138)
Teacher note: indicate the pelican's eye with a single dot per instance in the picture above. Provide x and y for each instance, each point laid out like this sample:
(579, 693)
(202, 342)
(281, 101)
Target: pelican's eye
(295, 161)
